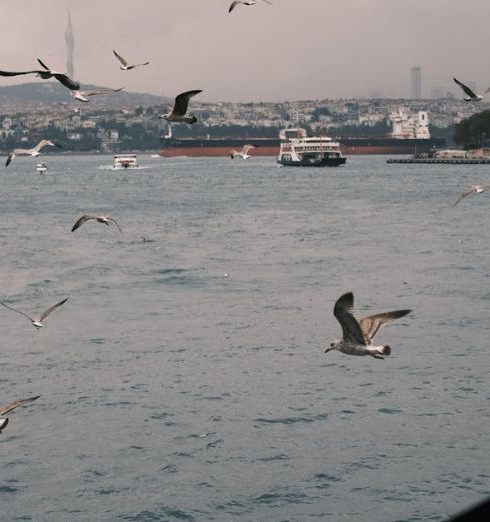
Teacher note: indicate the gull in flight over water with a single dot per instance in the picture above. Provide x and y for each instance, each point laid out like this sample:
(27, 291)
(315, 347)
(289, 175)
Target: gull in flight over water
(37, 321)
(357, 336)
(472, 96)
(83, 96)
(4, 420)
(178, 113)
(243, 153)
(124, 64)
(245, 2)
(35, 151)
(45, 73)
(477, 189)
(107, 220)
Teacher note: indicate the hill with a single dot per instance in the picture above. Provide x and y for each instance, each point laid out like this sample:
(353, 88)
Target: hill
(26, 96)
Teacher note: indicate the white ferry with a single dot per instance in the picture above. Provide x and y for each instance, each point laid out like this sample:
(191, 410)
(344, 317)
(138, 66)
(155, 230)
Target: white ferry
(125, 161)
(299, 150)
(41, 167)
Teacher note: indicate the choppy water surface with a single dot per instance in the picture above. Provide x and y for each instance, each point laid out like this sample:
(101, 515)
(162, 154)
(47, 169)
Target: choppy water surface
(185, 378)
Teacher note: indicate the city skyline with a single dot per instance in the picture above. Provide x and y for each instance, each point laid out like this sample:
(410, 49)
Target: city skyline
(263, 52)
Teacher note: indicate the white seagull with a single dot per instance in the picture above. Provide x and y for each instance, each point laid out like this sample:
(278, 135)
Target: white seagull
(357, 337)
(4, 420)
(35, 151)
(245, 2)
(124, 64)
(83, 96)
(45, 73)
(472, 96)
(107, 220)
(478, 188)
(178, 113)
(37, 321)
(243, 153)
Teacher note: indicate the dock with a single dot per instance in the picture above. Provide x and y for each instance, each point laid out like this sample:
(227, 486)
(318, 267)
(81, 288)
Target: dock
(446, 161)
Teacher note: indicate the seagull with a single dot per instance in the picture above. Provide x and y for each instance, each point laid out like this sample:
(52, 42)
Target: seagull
(472, 96)
(107, 220)
(4, 420)
(35, 151)
(243, 153)
(180, 108)
(125, 66)
(477, 188)
(357, 337)
(37, 321)
(45, 73)
(245, 2)
(83, 96)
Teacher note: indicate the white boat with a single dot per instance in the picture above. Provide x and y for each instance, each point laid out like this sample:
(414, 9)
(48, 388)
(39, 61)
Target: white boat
(300, 151)
(125, 161)
(41, 167)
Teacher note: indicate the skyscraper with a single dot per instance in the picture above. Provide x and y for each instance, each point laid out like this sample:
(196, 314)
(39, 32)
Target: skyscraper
(415, 83)
(70, 46)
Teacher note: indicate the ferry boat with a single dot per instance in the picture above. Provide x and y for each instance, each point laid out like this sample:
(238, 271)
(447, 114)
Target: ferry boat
(125, 161)
(300, 151)
(41, 167)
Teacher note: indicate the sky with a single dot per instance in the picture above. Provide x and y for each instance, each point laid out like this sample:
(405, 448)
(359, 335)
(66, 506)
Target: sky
(291, 50)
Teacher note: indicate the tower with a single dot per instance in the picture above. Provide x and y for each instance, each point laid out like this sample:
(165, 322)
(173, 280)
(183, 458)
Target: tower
(70, 46)
(415, 83)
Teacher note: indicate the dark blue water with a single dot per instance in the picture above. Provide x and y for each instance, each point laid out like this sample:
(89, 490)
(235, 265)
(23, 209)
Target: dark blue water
(185, 377)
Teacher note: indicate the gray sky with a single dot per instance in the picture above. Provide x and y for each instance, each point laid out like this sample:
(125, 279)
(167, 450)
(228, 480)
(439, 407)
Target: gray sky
(294, 49)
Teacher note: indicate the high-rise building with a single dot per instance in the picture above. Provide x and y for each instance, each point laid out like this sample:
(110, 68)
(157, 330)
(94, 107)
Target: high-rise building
(415, 83)
(70, 46)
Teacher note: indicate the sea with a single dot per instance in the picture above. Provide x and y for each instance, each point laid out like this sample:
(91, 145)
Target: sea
(185, 378)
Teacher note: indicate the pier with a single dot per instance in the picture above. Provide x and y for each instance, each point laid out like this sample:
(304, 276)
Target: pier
(447, 161)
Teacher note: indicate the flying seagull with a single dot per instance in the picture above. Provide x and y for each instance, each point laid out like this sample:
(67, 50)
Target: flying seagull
(4, 420)
(45, 73)
(357, 336)
(243, 153)
(83, 96)
(180, 108)
(125, 66)
(472, 96)
(107, 220)
(245, 2)
(37, 321)
(35, 151)
(477, 189)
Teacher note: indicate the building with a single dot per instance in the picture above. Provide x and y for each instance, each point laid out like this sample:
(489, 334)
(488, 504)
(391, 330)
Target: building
(416, 83)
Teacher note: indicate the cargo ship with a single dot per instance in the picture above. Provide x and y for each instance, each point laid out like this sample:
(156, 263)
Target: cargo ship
(410, 135)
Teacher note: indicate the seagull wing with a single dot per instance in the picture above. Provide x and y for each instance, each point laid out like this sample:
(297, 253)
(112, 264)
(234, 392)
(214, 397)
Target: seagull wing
(52, 309)
(182, 102)
(233, 5)
(120, 58)
(43, 65)
(97, 93)
(16, 73)
(267, 2)
(140, 64)
(10, 157)
(246, 148)
(466, 89)
(372, 323)
(18, 311)
(65, 80)
(464, 195)
(351, 331)
(16, 404)
(112, 220)
(82, 220)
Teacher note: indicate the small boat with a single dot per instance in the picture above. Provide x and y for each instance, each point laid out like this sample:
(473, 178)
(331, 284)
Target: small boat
(41, 167)
(300, 151)
(125, 161)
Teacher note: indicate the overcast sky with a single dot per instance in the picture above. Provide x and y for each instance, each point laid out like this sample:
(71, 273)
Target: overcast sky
(291, 50)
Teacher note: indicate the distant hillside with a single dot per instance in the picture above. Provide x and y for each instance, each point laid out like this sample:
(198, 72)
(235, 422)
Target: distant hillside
(27, 95)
